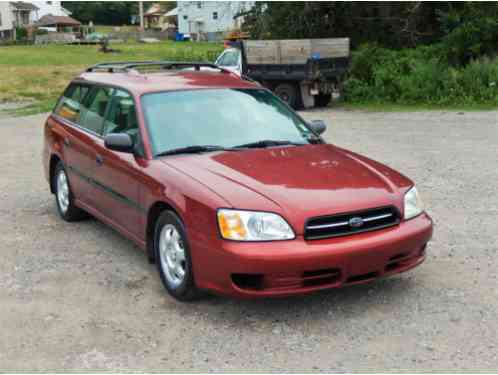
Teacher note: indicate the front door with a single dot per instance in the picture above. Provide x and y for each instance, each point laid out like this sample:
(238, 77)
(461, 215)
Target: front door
(117, 175)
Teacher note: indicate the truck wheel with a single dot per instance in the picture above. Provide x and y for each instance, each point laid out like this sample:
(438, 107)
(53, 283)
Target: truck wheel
(287, 92)
(322, 100)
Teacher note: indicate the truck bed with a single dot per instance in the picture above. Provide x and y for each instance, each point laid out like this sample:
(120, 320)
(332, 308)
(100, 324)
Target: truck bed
(294, 51)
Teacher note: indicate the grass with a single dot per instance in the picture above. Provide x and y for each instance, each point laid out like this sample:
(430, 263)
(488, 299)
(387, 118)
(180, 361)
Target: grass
(38, 74)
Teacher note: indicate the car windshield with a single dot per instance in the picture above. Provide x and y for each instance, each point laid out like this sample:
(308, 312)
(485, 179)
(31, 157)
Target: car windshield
(220, 117)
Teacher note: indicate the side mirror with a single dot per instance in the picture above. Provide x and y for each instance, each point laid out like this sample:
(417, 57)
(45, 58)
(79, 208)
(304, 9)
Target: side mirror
(318, 126)
(121, 142)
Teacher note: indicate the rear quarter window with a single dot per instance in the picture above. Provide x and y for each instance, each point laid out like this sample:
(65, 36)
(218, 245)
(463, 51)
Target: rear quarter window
(69, 106)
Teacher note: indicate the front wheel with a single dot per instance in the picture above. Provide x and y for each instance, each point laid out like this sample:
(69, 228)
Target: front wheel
(173, 254)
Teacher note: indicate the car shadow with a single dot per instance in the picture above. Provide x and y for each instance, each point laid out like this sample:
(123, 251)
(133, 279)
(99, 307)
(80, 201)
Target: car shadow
(346, 302)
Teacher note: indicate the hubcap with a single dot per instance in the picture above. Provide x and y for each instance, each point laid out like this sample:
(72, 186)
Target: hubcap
(172, 254)
(62, 191)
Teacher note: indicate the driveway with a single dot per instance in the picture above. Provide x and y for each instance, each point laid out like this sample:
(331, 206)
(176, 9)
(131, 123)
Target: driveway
(75, 297)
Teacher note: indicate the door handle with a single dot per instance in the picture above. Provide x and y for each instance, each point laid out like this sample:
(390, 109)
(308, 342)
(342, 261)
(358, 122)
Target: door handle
(99, 160)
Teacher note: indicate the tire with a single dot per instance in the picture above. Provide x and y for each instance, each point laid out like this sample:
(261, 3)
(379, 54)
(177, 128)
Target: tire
(173, 259)
(64, 197)
(288, 93)
(323, 100)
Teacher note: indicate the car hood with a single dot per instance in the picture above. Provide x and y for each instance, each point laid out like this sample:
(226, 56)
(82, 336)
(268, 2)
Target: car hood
(297, 182)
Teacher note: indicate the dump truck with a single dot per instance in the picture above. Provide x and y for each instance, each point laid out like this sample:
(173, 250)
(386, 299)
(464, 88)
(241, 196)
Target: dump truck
(303, 72)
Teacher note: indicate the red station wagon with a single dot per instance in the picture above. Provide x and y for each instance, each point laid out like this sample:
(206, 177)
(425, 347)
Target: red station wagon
(224, 186)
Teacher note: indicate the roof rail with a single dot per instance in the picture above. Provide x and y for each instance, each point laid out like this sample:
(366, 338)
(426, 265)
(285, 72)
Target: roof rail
(127, 66)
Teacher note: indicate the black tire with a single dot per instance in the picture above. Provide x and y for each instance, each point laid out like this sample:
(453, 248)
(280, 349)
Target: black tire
(288, 93)
(322, 100)
(186, 290)
(71, 213)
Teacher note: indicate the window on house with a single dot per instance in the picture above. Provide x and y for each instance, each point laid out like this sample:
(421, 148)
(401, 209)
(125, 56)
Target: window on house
(49, 2)
(185, 17)
(215, 15)
(24, 18)
(199, 5)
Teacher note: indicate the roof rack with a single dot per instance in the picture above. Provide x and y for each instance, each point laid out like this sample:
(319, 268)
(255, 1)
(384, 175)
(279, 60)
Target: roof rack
(128, 66)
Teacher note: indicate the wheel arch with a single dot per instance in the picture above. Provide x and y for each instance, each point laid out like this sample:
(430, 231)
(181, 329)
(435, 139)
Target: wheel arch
(152, 215)
(54, 160)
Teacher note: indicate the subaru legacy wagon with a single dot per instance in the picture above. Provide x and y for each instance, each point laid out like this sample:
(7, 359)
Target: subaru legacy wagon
(224, 186)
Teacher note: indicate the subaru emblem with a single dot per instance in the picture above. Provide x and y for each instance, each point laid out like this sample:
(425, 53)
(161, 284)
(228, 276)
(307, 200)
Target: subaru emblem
(355, 222)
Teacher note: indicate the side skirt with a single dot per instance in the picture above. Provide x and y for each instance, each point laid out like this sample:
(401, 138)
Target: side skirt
(112, 224)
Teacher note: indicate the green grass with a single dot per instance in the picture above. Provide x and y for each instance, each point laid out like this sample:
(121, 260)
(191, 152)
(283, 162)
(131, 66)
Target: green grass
(62, 55)
(38, 74)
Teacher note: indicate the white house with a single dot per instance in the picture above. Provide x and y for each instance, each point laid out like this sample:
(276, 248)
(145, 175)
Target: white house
(210, 19)
(49, 7)
(15, 14)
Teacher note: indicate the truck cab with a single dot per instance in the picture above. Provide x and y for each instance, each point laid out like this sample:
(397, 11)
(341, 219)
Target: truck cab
(231, 59)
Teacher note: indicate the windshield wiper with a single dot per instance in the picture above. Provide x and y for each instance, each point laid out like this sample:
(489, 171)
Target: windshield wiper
(193, 150)
(269, 143)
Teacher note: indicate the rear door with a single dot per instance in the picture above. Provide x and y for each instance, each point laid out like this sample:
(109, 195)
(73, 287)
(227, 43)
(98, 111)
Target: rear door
(118, 175)
(78, 152)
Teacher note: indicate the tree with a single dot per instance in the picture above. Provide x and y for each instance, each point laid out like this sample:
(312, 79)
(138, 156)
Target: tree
(102, 12)
(391, 24)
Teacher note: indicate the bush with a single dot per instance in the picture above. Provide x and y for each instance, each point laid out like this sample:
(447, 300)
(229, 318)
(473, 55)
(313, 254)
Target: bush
(419, 76)
(21, 33)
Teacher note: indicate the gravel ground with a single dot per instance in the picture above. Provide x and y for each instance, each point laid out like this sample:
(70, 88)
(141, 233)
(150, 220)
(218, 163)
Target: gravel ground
(80, 297)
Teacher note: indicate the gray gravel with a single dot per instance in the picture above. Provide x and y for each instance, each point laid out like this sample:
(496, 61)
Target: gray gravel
(80, 297)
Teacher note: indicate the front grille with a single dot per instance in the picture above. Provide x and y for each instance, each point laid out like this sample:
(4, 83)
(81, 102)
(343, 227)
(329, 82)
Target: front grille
(350, 223)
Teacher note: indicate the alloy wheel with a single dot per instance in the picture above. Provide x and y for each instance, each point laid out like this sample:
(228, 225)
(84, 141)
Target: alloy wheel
(62, 191)
(172, 255)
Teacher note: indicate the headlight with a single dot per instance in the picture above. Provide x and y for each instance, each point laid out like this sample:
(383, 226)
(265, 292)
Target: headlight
(253, 226)
(413, 204)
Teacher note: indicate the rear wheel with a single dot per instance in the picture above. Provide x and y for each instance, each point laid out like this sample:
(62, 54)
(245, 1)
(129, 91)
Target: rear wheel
(173, 257)
(288, 93)
(322, 100)
(64, 196)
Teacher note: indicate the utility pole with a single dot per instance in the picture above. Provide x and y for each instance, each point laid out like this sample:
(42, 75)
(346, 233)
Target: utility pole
(141, 14)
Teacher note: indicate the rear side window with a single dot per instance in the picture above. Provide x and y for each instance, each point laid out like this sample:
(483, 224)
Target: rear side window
(69, 106)
(94, 109)
(122, 117)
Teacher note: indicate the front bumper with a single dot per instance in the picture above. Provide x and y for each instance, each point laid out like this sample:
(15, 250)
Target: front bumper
(297, 266)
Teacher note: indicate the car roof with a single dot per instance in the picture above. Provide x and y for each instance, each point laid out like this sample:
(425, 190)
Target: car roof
(142, 83)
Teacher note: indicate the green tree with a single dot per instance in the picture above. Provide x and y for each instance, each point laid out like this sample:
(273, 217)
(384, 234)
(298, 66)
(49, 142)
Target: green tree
(391, 24)
(102, 12)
